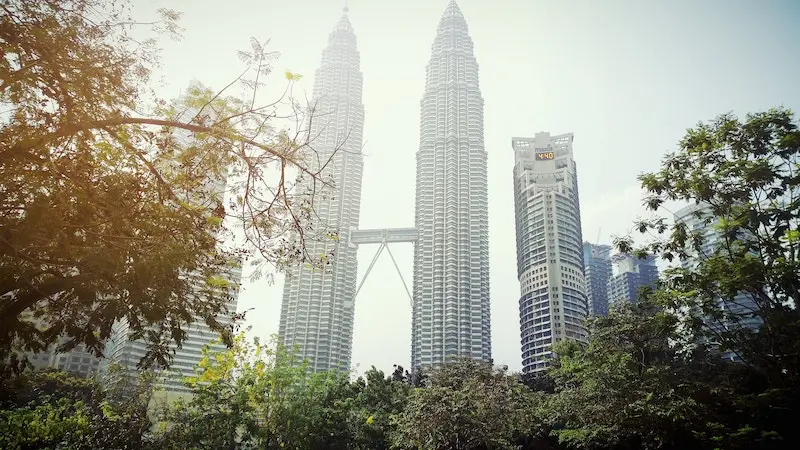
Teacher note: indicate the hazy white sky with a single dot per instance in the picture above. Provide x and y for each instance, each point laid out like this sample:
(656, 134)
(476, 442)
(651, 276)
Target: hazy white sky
(626, 76)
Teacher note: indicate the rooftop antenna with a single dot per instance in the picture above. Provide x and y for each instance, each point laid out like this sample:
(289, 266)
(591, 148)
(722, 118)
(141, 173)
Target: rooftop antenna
(598, 235)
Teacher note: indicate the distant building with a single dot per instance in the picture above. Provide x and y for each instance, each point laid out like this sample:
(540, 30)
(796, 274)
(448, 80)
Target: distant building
(317, 309)
(550, 266)
(597, 269)
(125, 353)
(78, 361)
(632, 274)
(698, 218)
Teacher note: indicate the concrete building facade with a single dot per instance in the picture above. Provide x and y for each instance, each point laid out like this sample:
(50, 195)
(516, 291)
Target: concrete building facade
(550, 267)
(78, 361)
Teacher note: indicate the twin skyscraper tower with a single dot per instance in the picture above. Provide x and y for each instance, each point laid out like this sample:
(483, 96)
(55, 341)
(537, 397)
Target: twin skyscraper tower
(450, 299)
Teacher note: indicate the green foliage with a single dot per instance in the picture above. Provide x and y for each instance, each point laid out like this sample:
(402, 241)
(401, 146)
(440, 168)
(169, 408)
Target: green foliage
(56, 410)
(629, 388)
(42, 424)
(256, 397)
(466, 405)
(228, 398)
(379, 400)
(292, 76)
(113, 209)
(745, 176)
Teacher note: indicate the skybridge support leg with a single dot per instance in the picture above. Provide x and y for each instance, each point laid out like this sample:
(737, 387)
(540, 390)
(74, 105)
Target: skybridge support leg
(385, 245)
(383, 237)
(371, 265)
(410, 298)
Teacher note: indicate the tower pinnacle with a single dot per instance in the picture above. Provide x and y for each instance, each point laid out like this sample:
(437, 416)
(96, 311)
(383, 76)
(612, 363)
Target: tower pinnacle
(453, 6)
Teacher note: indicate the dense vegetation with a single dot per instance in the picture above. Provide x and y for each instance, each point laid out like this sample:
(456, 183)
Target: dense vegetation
(113, 203)
(630, 388)
(105, 209)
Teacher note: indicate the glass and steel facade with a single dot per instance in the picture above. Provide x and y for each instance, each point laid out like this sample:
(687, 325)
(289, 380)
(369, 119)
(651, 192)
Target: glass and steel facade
(451, 311)
(317, 309)
(597, 270)
(633, 274)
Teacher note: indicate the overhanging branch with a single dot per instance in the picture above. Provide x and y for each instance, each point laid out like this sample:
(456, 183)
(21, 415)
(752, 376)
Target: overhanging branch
(71, 129)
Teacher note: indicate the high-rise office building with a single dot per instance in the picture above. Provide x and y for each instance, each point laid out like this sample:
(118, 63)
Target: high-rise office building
(552, 303)
(597, 270)
(632, 274)
(451, 312)
(78, 361)
(124, 353)
(699, 219)
(317, 307)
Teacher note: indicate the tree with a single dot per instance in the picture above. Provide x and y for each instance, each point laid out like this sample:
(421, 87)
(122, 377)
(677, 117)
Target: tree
(228, 398)
(745, 174)
(254, 396)
(317, 414)
(467, 405)
(57, 410)
(630, 388)
(380, 398)
(112, 207)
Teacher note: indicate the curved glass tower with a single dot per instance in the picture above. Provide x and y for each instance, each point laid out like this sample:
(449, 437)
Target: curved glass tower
(450, 316)
(317, 307)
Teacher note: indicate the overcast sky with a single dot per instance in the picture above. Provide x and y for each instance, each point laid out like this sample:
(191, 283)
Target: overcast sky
(626, 76)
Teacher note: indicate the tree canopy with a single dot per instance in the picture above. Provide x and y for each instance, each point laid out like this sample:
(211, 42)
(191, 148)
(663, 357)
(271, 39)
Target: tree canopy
(745, 175)
(256, 396)
(740, 294)
(115, 201)
(56, 410)
(467, 405)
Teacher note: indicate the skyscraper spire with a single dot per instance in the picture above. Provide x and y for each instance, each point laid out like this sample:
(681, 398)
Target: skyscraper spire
(452, 8)
(345, 9)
